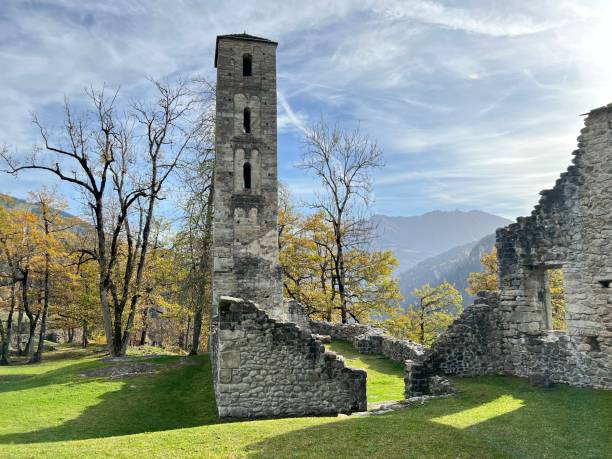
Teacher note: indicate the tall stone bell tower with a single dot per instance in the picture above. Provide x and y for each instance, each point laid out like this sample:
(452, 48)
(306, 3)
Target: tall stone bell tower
(245, 241)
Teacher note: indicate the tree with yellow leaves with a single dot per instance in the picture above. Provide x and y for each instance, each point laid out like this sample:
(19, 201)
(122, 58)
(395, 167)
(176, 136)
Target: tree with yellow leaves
(434, 310)
(306, 257)
(487, 279)
(23, 248)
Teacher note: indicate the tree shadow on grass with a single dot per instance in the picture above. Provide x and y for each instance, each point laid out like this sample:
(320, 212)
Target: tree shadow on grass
(492, 417)
(64, 375)
(180, 396)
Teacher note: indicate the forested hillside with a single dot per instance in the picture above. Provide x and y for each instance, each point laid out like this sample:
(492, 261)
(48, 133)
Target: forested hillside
(454, 265)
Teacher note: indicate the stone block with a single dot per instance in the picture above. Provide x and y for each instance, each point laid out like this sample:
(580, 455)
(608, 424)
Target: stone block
(230, 359)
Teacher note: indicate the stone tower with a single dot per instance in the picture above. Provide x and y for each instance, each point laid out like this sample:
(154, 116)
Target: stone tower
(245, 242)
(263, 364)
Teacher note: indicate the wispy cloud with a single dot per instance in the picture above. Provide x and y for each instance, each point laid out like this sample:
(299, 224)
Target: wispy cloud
(288, 117)
(473, 102)
(475, 21)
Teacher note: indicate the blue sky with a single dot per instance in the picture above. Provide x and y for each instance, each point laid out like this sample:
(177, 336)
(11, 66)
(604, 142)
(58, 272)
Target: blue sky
(475, 103)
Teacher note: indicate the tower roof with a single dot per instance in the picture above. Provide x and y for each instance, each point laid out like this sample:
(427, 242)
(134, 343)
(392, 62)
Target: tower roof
(241, 36)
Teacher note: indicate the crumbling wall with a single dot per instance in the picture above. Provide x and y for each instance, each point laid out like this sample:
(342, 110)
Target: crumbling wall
(371, 340)
(570, 229)
(266, 368)
(472, 345)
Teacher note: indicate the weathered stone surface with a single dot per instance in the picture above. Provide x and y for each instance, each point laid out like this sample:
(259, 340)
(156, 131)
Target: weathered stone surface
(277, 369)
(571, 229)
(265, 361)
(371, 340)
(245, 237)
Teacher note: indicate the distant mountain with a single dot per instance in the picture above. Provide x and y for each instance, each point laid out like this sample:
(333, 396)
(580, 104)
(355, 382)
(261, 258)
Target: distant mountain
(10, 202)
(453, 265)
(415, 239)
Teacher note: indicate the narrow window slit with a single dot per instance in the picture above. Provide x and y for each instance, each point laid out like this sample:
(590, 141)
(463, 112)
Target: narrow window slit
(246, 173)
(247, 65)
(247, 120)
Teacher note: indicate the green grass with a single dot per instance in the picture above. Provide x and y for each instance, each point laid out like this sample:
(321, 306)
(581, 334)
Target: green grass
(385, 377)
(50, 410)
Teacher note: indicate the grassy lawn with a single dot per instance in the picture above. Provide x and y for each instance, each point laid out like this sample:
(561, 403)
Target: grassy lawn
(51, 410)
(385, 377)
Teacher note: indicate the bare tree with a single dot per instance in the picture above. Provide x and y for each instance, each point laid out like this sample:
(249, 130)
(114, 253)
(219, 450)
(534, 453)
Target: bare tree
(195, 238)
(343, 160)
(120, 162)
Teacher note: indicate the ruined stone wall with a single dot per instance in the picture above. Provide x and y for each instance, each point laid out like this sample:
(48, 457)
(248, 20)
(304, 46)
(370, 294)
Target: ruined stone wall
(371, 340)
(269, 368)
(295, 313)
(472, 345)
(570, 229)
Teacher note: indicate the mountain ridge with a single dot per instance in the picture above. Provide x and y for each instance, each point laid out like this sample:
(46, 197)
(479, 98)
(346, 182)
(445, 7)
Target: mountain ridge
(417, 238)
(454, 265)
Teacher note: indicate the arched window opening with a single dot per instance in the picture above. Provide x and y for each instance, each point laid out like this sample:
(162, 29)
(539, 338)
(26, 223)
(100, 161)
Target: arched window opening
(247, 120)
(247, 65)
(246, 173)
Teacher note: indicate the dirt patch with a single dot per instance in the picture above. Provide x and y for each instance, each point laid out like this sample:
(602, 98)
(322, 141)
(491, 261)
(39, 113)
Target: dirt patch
(187, 361)
(122, 370)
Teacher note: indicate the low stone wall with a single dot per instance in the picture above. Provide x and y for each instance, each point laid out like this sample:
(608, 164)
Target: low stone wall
(471, 346)
(344, 332)
(265, 368)
(477, 344)
(371, 340)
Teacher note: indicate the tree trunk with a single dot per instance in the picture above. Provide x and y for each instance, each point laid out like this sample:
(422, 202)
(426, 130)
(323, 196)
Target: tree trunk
(143, 333)
(340, 281)
(187, 331)
(4, 348)
(422, 324)
(84, 339)
(33, 319)
(20, 349)
(197, 329)
(118, 335)
(7, 333)
(37, 357)
(30, 345)
(206, 270)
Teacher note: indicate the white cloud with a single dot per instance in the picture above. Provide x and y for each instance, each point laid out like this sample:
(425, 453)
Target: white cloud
(464, 99)
(488, 23)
